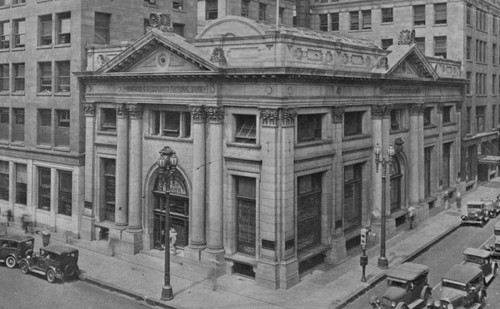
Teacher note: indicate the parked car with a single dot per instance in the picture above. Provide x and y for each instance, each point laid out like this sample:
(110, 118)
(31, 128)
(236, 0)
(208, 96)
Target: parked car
(14, 247)
(495, 248)
(482, 259)
(407, 288)
(477, 213)
(461, 287)
(53, 262)
(494, 204)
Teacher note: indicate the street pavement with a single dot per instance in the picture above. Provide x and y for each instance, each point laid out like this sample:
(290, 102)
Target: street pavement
(328, 286)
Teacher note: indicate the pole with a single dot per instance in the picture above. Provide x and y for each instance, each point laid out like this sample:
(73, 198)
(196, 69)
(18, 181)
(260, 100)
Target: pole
(277, 14)
(166, 292)
(382, 260)
(363, 262)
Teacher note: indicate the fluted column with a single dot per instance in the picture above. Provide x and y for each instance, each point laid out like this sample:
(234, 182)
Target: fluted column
(135, 165)
(197, 218)
(415, 167)
(121, 166)
(421, 155)
(89, 159)
(215, 223)
(378, 112)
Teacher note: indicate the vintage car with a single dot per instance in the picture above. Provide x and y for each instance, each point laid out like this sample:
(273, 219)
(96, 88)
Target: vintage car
(482, 259)
(407, 288)
(53, 262)
(461, 287)
(477, 213)
(13, 248)
(495, 248)
(493, 204)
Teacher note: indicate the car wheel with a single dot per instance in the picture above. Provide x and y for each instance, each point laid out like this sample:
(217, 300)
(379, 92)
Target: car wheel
(10, 261)
(464, 218)
(70, 271)
(24, 267)
(51, 276)
(402, 306)
(426, 294)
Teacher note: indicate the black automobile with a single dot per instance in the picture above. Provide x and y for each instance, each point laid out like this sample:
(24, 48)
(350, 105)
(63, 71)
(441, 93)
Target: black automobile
(53, 262)
(14, 247)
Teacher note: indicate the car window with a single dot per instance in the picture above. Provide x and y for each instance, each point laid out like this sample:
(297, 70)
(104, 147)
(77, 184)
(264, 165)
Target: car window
(473, 259)
(13, 244)
(4, 243)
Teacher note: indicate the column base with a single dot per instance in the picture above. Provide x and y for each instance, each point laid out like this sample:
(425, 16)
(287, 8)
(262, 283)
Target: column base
(338, 251)
(214, 261)
(193, 253)
(289, 273)
(87, 228)
(267, 274)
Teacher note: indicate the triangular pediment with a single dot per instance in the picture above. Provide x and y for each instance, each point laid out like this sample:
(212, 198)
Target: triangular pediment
(158, 52)
(407, 61)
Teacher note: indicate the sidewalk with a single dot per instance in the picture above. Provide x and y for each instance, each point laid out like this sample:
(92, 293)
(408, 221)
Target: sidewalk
(141, 276)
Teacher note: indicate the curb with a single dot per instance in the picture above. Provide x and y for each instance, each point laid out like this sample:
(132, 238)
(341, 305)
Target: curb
(377, 279)
(148, 300)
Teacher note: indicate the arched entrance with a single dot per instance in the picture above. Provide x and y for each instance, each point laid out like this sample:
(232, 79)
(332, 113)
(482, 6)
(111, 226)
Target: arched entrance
(179, 211)
(396, 180)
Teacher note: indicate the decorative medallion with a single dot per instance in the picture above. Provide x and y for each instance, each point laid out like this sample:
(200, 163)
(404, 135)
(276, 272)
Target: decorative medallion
(406, 37)
(269, 90)
(163, 60)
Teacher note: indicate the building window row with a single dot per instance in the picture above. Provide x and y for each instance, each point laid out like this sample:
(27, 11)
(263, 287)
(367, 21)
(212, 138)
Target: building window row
(21, 180)
(12, 76)
(4, 3)
(54, 75)
(480, 83)
(12, 125)
(481, 47)
(361, 20)
(53, 127)
(440, 14)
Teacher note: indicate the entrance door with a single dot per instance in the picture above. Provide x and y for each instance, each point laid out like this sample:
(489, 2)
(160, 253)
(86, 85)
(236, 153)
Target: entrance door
(395, 184)
(309, 212)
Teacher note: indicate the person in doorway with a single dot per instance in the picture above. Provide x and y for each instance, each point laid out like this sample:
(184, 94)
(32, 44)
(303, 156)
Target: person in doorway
(173, 240)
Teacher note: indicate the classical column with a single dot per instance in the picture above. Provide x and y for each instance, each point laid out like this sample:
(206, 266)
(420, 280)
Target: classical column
(215, 242)
(414, 154)
(135, 168)
(197, 218)
(378, 112)
(421, 159)
(121, 166)
(439, 147)
(87, 229)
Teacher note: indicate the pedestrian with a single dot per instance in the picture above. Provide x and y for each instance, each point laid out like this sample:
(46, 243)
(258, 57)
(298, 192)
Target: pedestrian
(9, 216)
(173, 240)
(24, 222)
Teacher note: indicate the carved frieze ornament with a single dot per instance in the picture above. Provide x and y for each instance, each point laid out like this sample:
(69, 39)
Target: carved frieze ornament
(458, 106)
(134, 110)
(215, 114)
(406, 37)
(121, 110)
(218, 56)
(383, 63)
(288, 116)
(398, 145)
(89, 109)
(198, 113)
(269, 117)
(381, 110)
(338, 114)
(161, 21)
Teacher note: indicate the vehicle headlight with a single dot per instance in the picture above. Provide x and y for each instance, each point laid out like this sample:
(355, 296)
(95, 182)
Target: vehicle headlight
(393, 304)
(377, 300)
(437, 303)
(450, 306)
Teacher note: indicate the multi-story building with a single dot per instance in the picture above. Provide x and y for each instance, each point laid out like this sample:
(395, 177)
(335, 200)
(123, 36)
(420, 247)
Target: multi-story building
(462, 30)
(274, 133)
(42, 133)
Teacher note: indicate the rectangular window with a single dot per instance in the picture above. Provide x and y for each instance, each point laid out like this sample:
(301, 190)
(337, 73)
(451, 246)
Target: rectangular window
(246, 215)
(418, 15)
(63, 28)
(18, 125)
(334, 21)
(309, 211)
(178, 29)
(427, 171)
(21, 183)
(4, 123)
(62, 127)
(19, 26)
(108, 119)
(366, 19)
(447, 114)
(63, 76)
(495, 25)
(102, 28)
(494, 53)
(493, 115)
(468, 18)
(353, 123)
(44, 188)
(480, 111)
(469, 120)
(178, 5)
(109, 189)
(309, 127)
(18, 1)
(446, 164)
(440, 46)
(45, 73)
(387, 15)
(397, 119)
(45, 30)
(64, 205)
(323, 22)
(428, 116)
(171, 124)
(19, 76)
(45, 126)
(244, 7)
(468, 45)
(4, 77)
(4, 180)
(246, 129)
(262, 11)
(352, 203)
(493, 83)
(440, 13)
(4, 34)
(211, 9)
(468, 76)
(386, 43)
(354, 20)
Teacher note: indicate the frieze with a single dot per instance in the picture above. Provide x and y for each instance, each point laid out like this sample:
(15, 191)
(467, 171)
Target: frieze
(215, 114)
(164, 89)
(288, 117)
(269, 117)
(198, 113)
(338, 114)
(401, 90)
(121, 110)
(89, 109)
(382, 110)
(134, 110)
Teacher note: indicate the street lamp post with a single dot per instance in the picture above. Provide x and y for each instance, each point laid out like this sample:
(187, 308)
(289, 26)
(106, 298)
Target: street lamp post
(167, 164)
(385, 162)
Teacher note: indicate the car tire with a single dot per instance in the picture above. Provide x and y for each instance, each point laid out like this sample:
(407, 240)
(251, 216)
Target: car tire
(10, 261)
(51, 276)
(464, 218)
(24, 267)
(426, 294)
(70, 271)
(402, 306)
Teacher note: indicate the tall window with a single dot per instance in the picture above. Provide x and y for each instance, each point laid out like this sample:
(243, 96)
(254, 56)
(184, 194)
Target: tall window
(494, 53)
(353, 123)
(246, 129)
(44, 126)
(65, 193)
(468, 125)
(44, 188)
(109, 189)
(45, 30)
(480, 110)
(63, 28)
(354, 20)
(493, 83)
(468, 45)
(211, 9)
(4, 77)
(4, 34)
(246, 214)
(19, 26)
(62, 127)
(440, 13)
(18, 125)
(45, 72)
(4, 180)
(446, 165)
(334, 21)
(244, 7)
(420, 43)
(108, 119)
(428, 116)
(418, 15)
(387, 15)
(309, 127)
(63, 76)
(468, 18)
(262, 11)
(21, 183)
(468, 76)
(309, 211)
(493, 115)
(366, 19)
(447, 118)
(102, 28)
(440, 46)
(19, 75)
(4, 123)
(171, 124)
(178, 28)
(352, 196)
(427, 171)
(323, 22)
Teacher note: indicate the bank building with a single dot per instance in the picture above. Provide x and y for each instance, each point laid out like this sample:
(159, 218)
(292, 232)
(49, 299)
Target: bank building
(274, 130)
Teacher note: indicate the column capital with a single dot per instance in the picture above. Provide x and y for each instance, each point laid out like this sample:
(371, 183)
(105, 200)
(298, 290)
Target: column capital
(440, 107)
(338, 114)
(121, 110)
(381, 110)
(416, 109)
(89, 109)
(269, 117)
(134, 110)
(198, 113)
(288, 116)
(458, 106)
(215, 114)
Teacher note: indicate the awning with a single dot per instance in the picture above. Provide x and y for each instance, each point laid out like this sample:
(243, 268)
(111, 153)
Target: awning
(489, 160)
